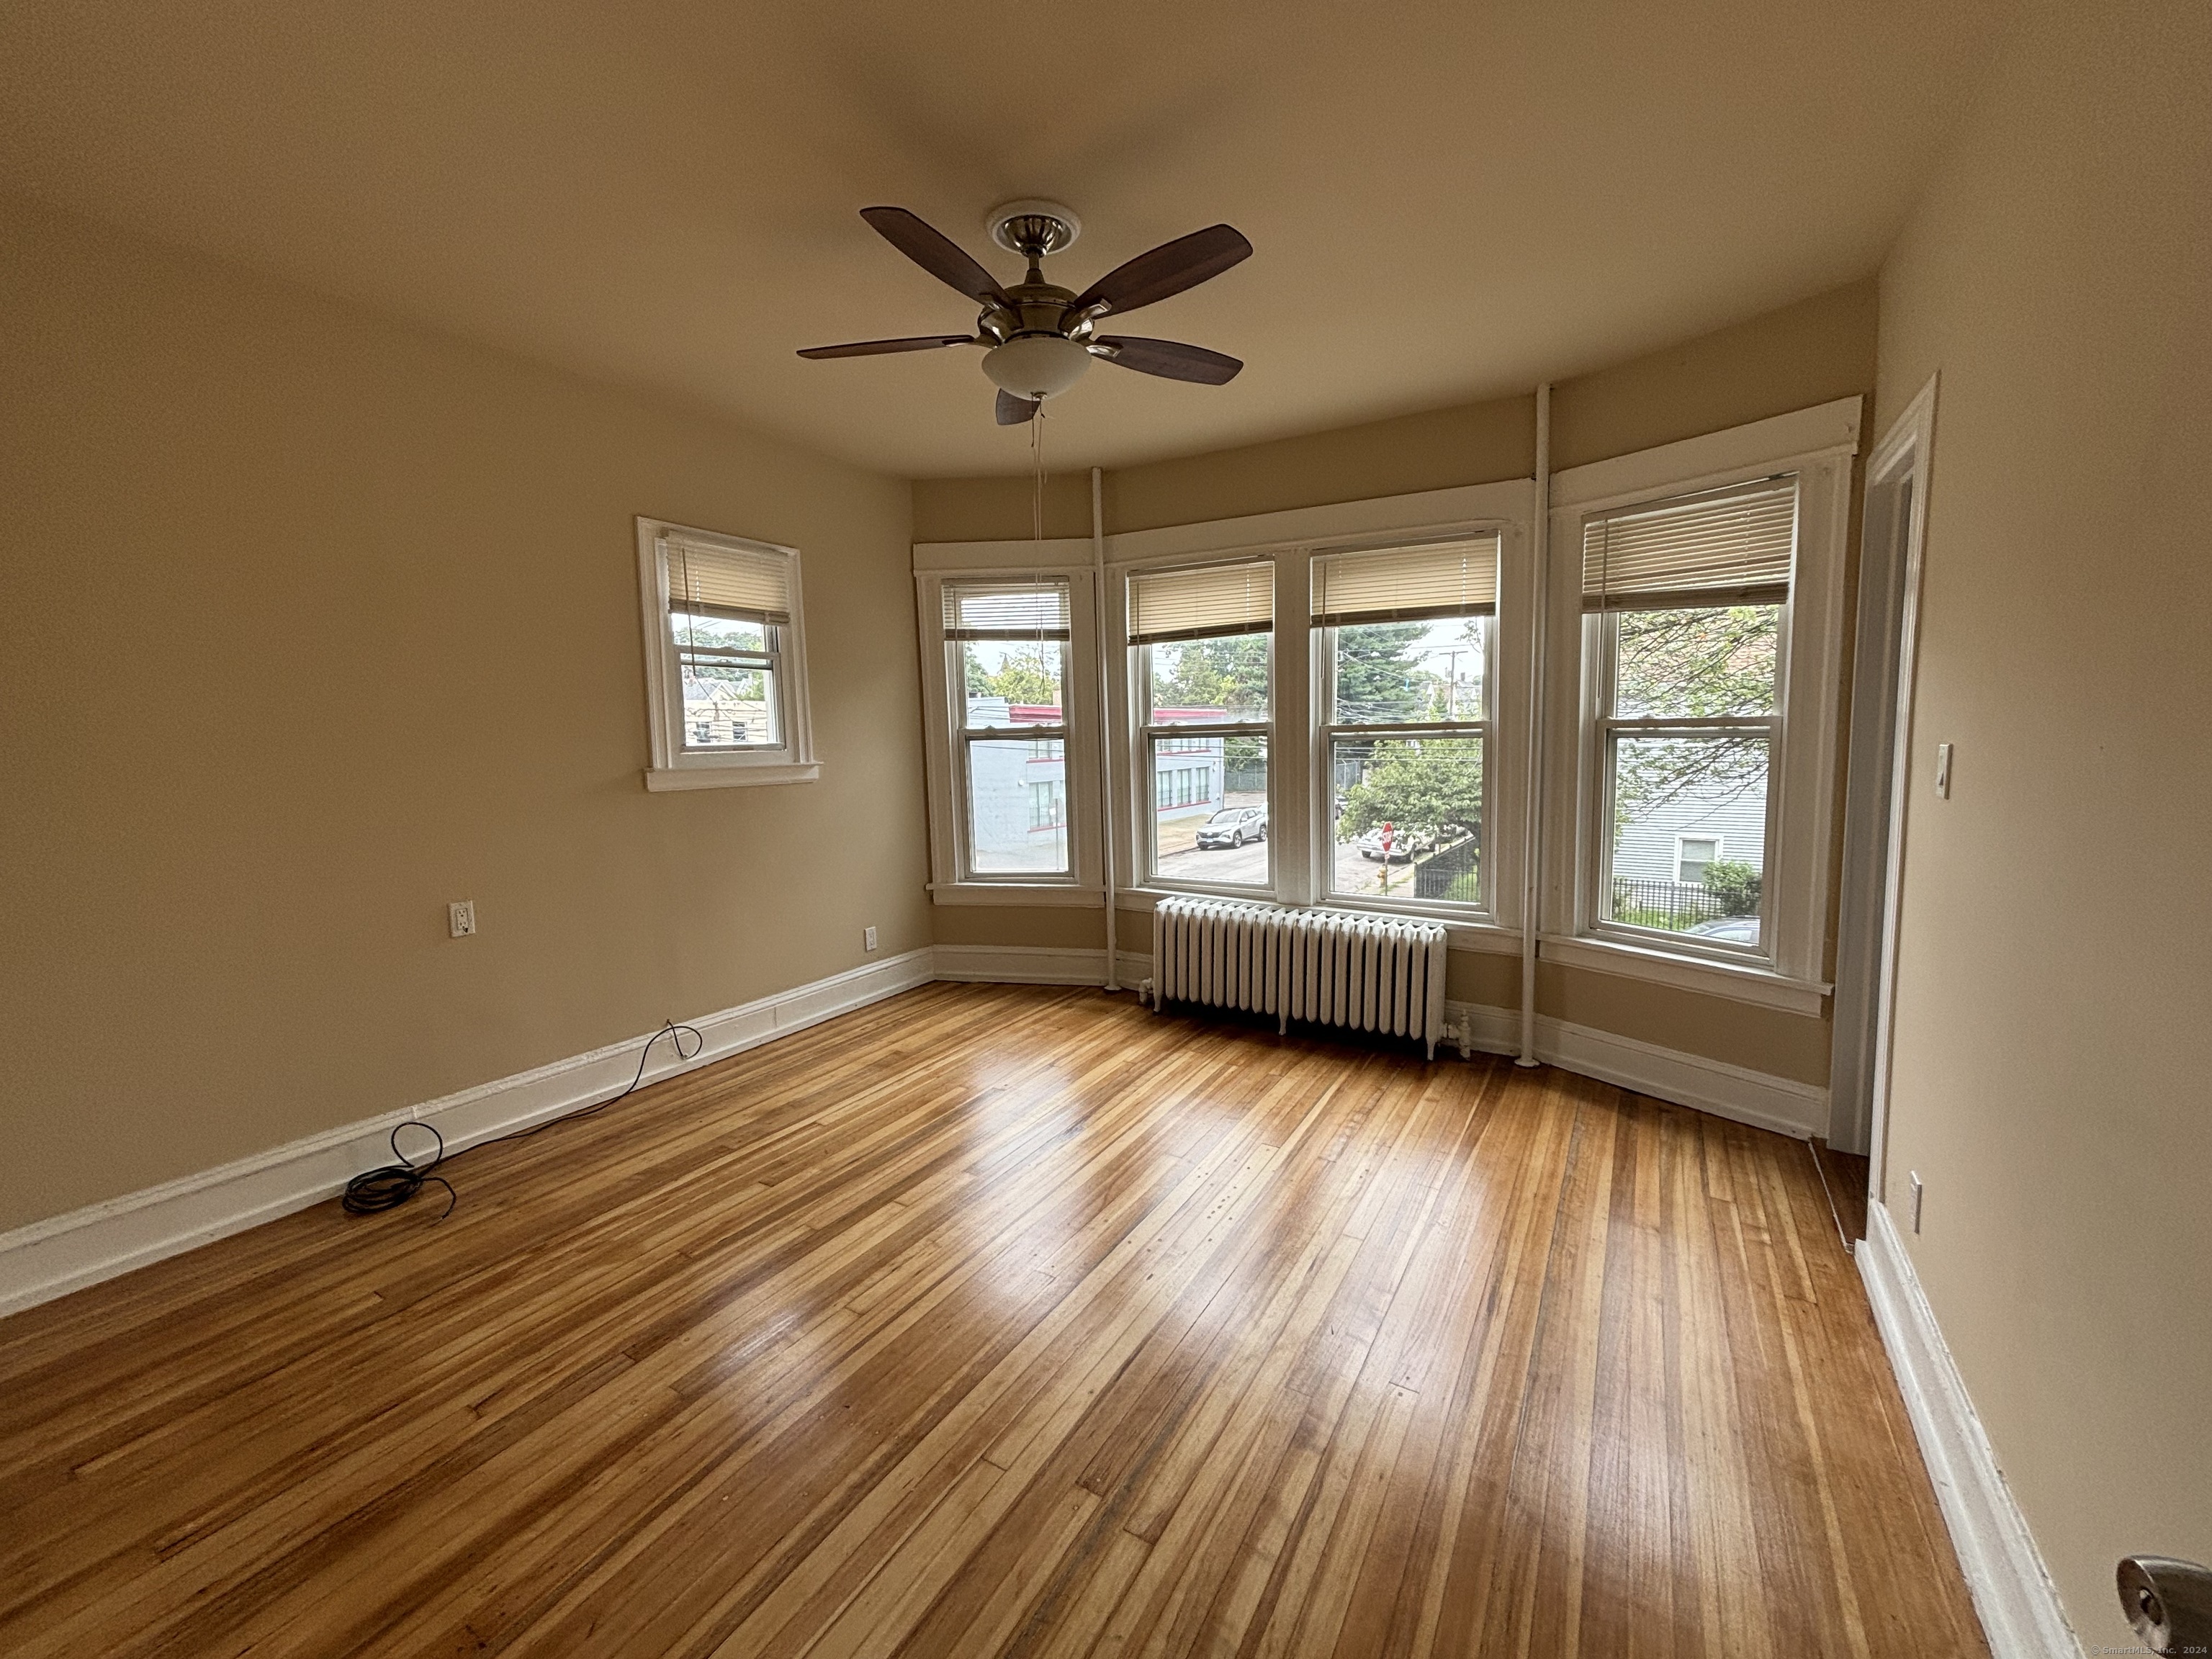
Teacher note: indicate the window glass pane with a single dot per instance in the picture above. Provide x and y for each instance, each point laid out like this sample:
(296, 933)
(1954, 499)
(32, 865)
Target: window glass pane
(1210, 809)
(1014, 682)
(729, 682)
(1406, 819)
(1673, 665)
(1017, 806)
(1216, 679)
(1387, 672)
(1697, 795)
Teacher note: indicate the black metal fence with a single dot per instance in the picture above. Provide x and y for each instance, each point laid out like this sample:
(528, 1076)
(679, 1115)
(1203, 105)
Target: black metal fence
(1649, 901)
(1450, 872)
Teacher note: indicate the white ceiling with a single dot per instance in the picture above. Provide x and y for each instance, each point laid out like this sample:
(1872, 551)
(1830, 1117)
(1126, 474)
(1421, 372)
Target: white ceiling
(1449, 200)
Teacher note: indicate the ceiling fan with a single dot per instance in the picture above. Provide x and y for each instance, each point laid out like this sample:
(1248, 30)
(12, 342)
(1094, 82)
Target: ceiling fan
(1041, 337)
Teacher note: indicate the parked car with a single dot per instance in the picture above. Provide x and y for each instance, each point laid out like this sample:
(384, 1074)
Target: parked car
(1404, 843)
(1729, 930)
(1232, 826)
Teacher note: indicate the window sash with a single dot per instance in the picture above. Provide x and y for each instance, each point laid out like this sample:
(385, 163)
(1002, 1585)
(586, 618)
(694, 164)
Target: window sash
(1766, 727)
(769, 662)
(963, 803)
(1602, 635)
(1168, 791)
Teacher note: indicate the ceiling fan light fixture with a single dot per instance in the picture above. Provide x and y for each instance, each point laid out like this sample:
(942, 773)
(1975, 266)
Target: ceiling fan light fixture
(1037, 365)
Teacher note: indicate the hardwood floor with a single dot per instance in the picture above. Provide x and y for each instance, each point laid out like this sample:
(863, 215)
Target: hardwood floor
(998, 1321)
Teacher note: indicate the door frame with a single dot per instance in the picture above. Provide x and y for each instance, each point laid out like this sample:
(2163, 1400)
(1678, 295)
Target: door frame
(1892, 557)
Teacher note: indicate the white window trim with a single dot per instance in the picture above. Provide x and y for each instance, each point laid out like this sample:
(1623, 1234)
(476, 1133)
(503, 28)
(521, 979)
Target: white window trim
(1297, 782)
(1818, 445)
(1060, 559)
(672, 767)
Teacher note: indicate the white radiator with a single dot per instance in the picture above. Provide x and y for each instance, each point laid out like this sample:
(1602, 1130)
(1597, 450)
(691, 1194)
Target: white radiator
(1365, 973)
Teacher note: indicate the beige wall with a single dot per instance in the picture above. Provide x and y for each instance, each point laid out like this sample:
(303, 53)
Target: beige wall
(309, 623)
(2056, 959)
(1820, 349)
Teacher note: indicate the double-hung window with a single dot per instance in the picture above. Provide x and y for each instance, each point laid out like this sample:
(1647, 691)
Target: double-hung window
(725, 674)
(1006, 668)
(1201, 643)
(1685, 610)
(1406, 643)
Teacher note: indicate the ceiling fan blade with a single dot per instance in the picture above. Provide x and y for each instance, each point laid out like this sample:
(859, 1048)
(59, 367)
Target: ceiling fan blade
(1016, 411)
(1169, 269)
(1171, 359)
(935, 253)
(877, 348)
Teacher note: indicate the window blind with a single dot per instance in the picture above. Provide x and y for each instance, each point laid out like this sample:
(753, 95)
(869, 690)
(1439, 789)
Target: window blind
(1202, 602)
(1731, 546)
(1006, 611)
(737, 584)
(1406, 584)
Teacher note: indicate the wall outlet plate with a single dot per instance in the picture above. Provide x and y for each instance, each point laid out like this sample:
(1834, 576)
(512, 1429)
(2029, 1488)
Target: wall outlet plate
(1919, 1192)
(1943, 770)
(868, 939)
(461, 917)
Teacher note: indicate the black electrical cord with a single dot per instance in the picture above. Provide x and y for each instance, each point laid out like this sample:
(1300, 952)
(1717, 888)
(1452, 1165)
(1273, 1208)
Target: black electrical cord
(393, 1184)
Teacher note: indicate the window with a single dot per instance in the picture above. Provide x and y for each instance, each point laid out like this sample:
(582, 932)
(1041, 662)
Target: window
(725, 673)
(1686, 603)
(1406, 646)
(1692, 855)
(1049, 806)
(1202, 650)
(1006, 649)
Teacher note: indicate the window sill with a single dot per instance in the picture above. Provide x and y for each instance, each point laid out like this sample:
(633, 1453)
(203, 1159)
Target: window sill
(992, 892)
(1761, 986)
(659, 778)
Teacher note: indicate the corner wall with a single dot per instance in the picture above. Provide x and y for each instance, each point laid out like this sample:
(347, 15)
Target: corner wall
(2055, 964)
(310, 622)
(1812, 352)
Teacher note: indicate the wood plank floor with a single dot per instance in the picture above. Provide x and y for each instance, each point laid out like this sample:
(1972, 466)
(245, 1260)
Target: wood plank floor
(1003, 1321)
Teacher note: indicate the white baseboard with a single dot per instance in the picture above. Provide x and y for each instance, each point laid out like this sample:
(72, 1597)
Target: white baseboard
(1019, 964)
(1757, 1098)
(64, 1253)
(1764, 1102)
(2020, 1609)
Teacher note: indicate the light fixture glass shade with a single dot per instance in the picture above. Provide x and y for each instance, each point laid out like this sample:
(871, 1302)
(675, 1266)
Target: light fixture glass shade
(1037, 365)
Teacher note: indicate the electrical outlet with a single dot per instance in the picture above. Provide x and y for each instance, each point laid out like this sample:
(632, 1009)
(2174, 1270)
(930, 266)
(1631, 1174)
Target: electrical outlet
(868, 939)
(1943, 770)
(1919, 1192)
(461, 917)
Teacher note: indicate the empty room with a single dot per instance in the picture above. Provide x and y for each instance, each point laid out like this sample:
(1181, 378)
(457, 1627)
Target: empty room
(958, 831)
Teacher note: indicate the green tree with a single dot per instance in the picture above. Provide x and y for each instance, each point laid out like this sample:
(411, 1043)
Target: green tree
(1434, 786)
(1229, 673)
(1378, 677)
(1027, 674)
